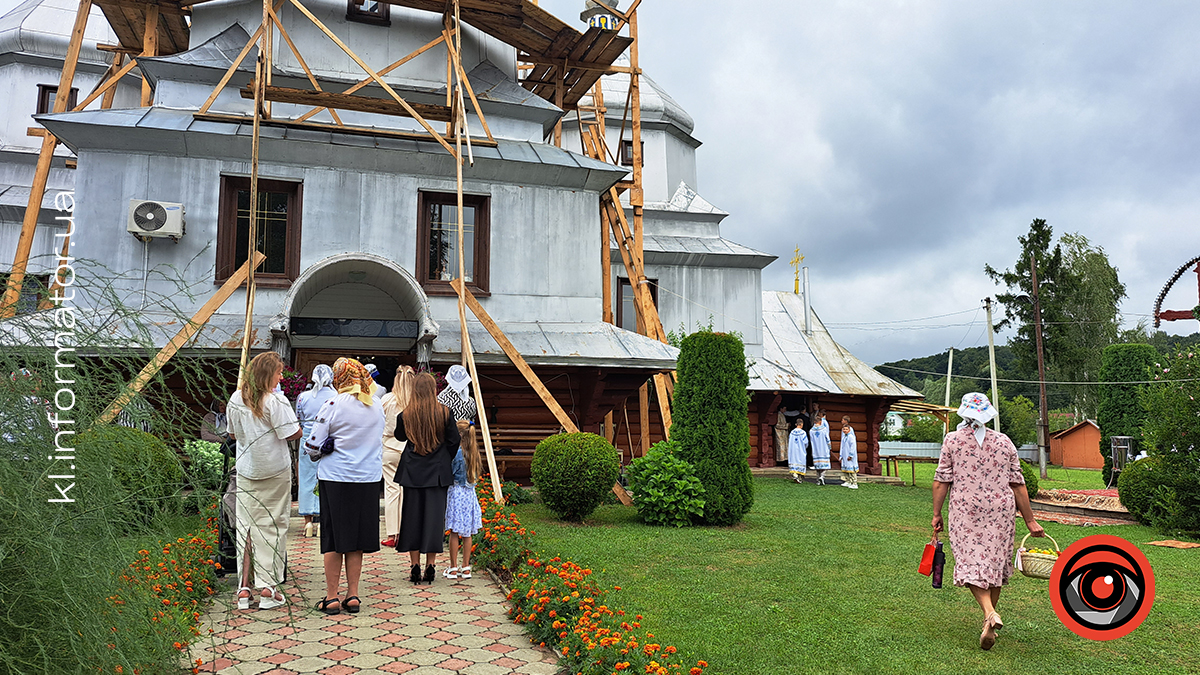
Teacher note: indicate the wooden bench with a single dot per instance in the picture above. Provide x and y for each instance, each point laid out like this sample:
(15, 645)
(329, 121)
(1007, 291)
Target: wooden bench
(521, 441)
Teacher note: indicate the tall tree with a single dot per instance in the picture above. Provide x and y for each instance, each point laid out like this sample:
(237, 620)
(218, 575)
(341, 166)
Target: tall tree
(1079, 292)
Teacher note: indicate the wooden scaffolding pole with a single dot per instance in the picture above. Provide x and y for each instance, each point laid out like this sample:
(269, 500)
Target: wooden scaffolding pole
(261, 66)
(636, 201)
(33, 208)
(149, 48)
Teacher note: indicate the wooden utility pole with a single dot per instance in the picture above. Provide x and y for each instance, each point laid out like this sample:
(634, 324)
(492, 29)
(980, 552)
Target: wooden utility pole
(949, 373)
(992, 362)
(1044, 418)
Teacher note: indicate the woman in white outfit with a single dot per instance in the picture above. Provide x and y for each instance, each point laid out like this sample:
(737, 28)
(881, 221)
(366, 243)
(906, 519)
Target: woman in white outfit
(394, 402)
(262, 422)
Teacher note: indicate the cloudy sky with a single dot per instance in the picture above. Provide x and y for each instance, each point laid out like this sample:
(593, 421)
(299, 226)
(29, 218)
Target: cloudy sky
(903, 145)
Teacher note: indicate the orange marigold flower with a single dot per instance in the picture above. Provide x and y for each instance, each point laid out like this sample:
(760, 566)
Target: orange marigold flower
(702, 664)
(695, 671)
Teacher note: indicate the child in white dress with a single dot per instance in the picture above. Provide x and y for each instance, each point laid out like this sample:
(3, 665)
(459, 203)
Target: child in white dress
(848, 454)
(820, 445)
(463, 515)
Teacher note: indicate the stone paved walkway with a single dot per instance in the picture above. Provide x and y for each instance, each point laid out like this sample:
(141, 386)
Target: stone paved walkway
(446, 627)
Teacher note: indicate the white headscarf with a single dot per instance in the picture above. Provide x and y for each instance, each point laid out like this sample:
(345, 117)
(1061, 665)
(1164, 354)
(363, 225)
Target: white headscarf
(322, 376)
(458, 379)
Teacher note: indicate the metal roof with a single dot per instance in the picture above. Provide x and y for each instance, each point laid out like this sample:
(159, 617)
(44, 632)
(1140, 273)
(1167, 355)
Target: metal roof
(43, 28)
(814, 359)
(177, 132)
(559, 344)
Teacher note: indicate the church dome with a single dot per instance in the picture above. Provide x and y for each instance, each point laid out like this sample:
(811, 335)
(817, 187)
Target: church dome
(657, 104)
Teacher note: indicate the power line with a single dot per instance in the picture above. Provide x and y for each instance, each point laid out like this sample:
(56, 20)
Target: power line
(976, 377)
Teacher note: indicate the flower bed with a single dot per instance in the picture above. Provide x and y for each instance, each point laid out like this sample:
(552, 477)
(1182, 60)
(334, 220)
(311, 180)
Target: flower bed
(168, 585)
(562, 609)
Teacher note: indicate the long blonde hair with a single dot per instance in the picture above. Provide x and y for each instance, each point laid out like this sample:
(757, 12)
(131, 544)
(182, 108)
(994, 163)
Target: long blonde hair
(402, 386)
(425, 418)
(470, 450)
(259, 373)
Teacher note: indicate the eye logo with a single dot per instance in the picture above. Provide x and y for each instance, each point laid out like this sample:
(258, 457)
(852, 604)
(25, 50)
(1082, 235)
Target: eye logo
(1102, 587)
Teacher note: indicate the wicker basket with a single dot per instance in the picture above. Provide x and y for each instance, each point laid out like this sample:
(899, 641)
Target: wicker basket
(1037, 565)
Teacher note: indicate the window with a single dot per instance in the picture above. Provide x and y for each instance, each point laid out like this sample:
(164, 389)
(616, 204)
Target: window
(437, 242)
(34, 291)
(278, 230)
(626, 154)
(46, 94)
(626, 311)
(368, 11)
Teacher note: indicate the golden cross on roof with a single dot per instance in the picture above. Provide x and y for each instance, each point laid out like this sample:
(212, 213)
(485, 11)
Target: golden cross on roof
(797, 259)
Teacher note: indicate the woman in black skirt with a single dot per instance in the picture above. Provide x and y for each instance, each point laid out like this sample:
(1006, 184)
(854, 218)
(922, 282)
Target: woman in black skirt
(425, 474)
(348, 479)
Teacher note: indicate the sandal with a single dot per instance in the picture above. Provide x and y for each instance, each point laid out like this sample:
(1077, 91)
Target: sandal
(353, 609)
(450, 573)
(324, 606)
(987, 639)
(464, 572)
(244, 601)
(275, 599)
(994, 617)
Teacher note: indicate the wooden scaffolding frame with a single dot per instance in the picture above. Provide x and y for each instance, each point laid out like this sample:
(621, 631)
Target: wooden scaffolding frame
(614, 224)
(563, 65)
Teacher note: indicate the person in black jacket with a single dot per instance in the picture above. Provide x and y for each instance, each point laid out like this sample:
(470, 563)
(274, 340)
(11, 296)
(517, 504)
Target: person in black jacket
(425, 473)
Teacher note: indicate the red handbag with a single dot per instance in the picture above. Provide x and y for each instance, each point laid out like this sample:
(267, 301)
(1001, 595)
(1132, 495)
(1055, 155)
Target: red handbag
(927, 555)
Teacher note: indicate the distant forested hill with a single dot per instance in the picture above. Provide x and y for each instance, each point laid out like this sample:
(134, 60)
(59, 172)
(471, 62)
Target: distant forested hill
(973, 362)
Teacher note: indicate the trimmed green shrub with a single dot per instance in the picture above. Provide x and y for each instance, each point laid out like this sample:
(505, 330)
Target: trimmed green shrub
(1175, 507)
(1138, 484)
(148, 472)
(572, 473)
(710, 422)
(1030, 472)
(207, 462)
(665, 488)
(1119, 412)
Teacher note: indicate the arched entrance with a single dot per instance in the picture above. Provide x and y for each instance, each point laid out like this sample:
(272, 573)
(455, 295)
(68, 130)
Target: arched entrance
(359, 305)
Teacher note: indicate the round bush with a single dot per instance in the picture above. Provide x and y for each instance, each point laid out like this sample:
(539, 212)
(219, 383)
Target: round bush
(1030, 472)
(148, 471)
(665, 488)
(572, 473)
(1138, 485)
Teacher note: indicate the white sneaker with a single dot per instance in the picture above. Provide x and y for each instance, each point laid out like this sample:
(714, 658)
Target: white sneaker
(854, 487)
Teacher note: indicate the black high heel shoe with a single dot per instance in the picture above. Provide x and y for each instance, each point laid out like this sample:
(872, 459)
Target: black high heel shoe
(428, 574)
(415, 577)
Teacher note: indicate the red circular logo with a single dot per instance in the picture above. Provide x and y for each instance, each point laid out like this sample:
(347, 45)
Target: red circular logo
(1102, 587)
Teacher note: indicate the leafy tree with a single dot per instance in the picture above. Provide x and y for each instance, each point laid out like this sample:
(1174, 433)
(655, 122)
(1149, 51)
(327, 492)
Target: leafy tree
(1079, 293)
(1018, 419)
(922, 429)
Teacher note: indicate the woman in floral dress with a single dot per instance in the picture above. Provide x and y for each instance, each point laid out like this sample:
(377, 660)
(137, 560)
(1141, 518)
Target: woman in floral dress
(988, 489)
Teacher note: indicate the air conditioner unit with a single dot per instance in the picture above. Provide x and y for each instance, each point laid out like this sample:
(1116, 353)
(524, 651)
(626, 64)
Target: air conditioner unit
(150, 219)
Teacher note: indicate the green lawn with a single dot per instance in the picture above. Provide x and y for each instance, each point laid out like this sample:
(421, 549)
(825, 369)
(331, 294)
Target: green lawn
(823, 580)
(1059, 478)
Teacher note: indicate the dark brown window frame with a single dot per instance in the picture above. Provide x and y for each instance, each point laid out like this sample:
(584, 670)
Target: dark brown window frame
(622, 284)
(227, 230)
(382, 15)
(626, 152)
(46, 95)
(480, 283)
